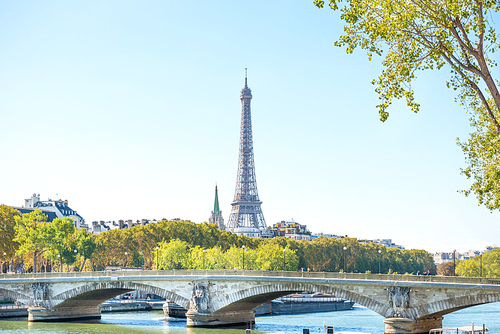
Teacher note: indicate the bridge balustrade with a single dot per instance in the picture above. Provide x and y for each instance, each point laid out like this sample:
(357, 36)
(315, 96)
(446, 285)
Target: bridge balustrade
(263, 273)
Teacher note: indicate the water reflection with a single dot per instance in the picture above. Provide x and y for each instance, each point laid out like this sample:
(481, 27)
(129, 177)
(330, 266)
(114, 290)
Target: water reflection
(358, 319)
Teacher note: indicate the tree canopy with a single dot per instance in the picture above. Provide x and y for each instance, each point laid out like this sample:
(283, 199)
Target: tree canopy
(446, 269)
(58, 241)
(186, 245)
(418, 35)
(482, 152)
(7, 232)
(488, 264)
(421, 35)
(181, 246)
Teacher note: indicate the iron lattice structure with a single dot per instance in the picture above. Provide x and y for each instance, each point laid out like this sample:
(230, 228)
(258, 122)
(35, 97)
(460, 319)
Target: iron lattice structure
(246, 207)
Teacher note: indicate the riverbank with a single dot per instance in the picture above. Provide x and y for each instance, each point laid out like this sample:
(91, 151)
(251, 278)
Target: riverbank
(132, 305)
(13, 311)
(17, 311)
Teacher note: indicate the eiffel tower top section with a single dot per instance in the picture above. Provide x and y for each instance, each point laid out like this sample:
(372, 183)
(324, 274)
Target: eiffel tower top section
(246, 211)
(246, 184)
(246, 93)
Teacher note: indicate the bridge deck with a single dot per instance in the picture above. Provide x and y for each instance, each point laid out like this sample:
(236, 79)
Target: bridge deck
(261, 273)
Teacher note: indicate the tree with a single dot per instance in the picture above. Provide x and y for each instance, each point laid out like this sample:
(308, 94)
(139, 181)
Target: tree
(32, 232)
(7, 233)
(422, 35)
(491, 264)
(488, 263)
(272, 257)
(174, 255)
(468, 268)
(445, 269)
(482, 151)
(109, 249)
(235, 255)
(59, 241)
(85, 244)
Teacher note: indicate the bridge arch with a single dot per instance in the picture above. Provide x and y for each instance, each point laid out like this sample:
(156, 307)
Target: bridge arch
(250, 298)
(94, 294)
(25, 299)
(442, 307)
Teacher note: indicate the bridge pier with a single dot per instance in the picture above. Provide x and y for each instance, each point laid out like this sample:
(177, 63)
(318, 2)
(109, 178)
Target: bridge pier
(221, 319)
(38, 313)
(409, 326)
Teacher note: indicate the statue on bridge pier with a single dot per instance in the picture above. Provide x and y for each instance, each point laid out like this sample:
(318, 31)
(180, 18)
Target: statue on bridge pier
(399, 300)
(39, 294)
(200, 301)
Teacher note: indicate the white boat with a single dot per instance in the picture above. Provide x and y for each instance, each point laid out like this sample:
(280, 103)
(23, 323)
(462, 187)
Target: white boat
(460, 330)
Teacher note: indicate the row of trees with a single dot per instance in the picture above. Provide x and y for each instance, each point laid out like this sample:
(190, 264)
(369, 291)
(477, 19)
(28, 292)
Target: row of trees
(136, 246)
(177, 254)
(34, 241)
(486, 265)
(180, 244)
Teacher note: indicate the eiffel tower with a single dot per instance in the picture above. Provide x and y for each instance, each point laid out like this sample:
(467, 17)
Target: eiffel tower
(246, 216)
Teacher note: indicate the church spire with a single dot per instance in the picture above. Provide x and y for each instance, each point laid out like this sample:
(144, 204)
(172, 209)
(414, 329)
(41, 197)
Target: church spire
(216, 202)
(216, 215)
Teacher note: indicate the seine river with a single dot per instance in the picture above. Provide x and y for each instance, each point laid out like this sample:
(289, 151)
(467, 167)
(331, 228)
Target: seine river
(358, 319)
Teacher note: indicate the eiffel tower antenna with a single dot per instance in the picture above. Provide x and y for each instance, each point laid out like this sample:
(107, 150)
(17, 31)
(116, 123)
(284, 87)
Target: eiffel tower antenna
(246, 216)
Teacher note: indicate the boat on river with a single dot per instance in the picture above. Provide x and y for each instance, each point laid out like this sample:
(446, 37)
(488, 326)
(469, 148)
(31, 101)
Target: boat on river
(309, 303)
(290, 304)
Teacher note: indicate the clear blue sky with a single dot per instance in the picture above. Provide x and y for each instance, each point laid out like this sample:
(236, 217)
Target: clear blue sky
(131, 110)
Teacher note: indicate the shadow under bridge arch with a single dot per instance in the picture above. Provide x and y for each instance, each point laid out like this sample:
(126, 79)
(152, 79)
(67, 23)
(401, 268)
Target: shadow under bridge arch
(94, 294)
(14, 295)
(248, 299)
(442, 307)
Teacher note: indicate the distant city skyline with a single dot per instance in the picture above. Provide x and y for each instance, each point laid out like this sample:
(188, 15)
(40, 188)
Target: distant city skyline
(132, 111)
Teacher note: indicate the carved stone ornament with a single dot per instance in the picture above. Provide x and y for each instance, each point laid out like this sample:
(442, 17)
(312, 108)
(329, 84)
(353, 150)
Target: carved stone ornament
(399, 300)
(39, 294)
(200, 300)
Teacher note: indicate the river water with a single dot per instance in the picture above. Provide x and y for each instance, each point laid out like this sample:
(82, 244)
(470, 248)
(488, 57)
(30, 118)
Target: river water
(359, 319)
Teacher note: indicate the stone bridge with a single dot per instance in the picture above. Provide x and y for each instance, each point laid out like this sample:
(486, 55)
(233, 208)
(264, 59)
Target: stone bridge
(409, 304)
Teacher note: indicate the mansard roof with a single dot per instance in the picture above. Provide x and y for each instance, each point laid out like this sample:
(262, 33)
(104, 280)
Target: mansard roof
(50, 215)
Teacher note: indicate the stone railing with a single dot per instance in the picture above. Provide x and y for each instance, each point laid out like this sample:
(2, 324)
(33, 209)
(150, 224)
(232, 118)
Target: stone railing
(261, 273)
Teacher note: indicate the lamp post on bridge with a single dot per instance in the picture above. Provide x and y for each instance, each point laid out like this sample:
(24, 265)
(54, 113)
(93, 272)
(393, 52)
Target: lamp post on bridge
(203, 259)
(59, 258)
(284, 262)
(481, 265)
(345, 248)
(125, 264)
(34, 254)
(76, 251)
(5, 258)
(379, 256)
(454, 274)
(157, 247)
(243, 247)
